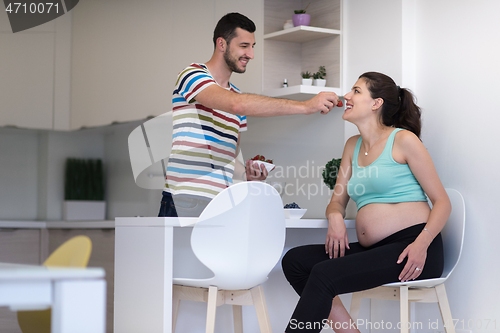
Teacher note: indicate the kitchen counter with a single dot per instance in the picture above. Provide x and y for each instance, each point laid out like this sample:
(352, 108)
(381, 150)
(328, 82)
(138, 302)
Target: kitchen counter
(13, 224)
(144, 266)
(290, 223)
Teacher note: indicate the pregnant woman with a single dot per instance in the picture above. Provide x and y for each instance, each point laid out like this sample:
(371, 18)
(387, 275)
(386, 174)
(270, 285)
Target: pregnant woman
(388, 172)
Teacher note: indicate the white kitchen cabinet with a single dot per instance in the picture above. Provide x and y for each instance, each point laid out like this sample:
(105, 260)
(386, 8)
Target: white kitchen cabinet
(20, 246)
(288, 52)
(34, 67)
(120, 61)
(27, 83)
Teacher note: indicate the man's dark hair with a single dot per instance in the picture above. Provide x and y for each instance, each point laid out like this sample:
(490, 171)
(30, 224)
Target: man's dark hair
(226, 27)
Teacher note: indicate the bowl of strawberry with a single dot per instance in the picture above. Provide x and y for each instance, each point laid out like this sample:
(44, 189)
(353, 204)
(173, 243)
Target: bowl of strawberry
(261, 160)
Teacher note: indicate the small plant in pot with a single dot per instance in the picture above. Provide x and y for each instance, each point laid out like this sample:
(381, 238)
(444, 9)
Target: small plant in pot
(300, 17)
(306, 78)
(84, 190)
(331, 171)
(319, 77)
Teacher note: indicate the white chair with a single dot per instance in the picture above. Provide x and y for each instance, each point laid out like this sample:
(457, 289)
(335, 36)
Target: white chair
(430, 290)
(240, 237)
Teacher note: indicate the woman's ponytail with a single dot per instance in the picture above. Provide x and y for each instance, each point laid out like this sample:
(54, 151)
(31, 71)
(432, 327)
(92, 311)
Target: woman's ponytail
(399, 108)
(408, 113)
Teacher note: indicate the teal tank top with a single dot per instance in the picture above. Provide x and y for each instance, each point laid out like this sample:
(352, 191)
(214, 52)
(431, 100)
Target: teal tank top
(383, 181)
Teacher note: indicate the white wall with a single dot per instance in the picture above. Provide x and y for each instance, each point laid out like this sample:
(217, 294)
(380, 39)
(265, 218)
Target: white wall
(454, 72)
(372, 42)
(458, 48)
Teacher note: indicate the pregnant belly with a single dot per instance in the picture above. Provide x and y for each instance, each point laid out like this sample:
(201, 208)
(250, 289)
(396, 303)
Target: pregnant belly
(376, 221)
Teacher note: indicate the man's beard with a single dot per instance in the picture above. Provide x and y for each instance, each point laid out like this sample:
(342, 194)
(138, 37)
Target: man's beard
(232, 64)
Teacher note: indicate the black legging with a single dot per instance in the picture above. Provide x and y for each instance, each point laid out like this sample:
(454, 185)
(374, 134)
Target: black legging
(318, 279)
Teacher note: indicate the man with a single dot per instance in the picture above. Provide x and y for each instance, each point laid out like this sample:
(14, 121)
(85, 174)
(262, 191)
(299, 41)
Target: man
(210, 113)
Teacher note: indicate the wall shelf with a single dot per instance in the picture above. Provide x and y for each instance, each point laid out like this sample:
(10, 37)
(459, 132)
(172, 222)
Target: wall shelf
(300, 92)
(289, 52)
(302, 34)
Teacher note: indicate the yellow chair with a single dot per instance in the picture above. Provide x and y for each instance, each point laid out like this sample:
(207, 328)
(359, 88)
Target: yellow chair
(75, 252)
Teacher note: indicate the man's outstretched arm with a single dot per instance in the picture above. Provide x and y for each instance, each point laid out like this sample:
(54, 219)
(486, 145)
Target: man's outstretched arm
(215, 97)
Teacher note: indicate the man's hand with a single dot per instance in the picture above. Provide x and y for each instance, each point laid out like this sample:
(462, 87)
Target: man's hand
(254, 172)
(323, 102)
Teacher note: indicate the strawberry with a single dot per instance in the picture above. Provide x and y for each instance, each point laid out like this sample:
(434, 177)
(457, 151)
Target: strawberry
(340, 104)
(261, 158)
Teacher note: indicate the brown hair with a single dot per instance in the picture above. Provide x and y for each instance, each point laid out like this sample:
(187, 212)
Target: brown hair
(399, 108)
(226, 27)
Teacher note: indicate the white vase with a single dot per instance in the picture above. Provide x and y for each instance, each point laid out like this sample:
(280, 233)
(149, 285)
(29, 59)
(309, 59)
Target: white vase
(319, 82)
(79, 210)
(307, 82)
(288, 24)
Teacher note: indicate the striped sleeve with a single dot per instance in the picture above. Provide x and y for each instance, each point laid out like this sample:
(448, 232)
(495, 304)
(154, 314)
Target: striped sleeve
(242, 119)
(191, 81)
(243, 123)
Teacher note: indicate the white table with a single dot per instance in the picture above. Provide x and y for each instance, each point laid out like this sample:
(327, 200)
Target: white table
(143, 270)
(77, 296)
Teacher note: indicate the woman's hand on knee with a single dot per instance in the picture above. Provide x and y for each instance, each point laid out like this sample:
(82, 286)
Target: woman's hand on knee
(336, 239)
(416, 255)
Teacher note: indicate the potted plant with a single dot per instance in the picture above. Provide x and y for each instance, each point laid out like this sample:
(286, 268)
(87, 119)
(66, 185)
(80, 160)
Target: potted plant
(319, 77)
(300, 17)
(306, 78)
(84, 190)
(331, 172)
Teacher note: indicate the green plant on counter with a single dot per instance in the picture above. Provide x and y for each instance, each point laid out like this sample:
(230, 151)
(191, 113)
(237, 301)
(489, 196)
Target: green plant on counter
(331, 172)
(84, 180)
(320, 74)
(306, 75)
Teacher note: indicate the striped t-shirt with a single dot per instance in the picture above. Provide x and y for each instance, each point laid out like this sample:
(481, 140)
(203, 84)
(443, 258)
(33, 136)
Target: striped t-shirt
(201, 163)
